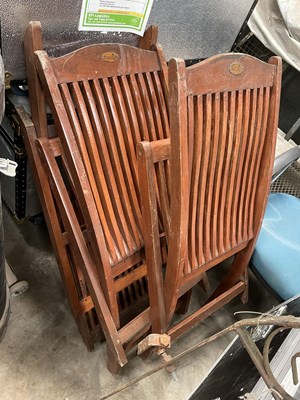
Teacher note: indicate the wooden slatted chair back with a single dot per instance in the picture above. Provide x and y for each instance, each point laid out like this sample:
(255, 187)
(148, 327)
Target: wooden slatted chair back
(102, 108)
(224, 115)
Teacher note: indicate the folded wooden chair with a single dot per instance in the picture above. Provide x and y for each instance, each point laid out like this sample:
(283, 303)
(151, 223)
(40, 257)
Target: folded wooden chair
(223, 124)
(105, 99)
(36, 126)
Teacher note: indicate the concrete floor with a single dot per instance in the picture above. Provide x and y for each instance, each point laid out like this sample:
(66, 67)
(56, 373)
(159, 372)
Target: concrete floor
(42, 355)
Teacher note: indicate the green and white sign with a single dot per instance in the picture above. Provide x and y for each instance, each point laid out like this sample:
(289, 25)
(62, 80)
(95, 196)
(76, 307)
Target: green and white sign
(115, 15)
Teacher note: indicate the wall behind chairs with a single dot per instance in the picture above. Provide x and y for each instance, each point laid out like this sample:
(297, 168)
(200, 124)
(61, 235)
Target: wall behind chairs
(191, 29)
(188, 28)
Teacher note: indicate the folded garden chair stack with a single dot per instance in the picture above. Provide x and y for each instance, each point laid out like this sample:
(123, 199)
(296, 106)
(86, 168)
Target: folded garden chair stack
(132, 238)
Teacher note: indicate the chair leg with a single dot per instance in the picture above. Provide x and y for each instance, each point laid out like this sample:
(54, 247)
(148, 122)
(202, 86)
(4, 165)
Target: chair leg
(183, 303)
(204, 283)
(245, 294)
(237, 272)
(85, 332)
(112, 364)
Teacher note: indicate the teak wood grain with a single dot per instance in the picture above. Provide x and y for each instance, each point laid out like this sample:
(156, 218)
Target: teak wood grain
(223, 124)
(102, 109)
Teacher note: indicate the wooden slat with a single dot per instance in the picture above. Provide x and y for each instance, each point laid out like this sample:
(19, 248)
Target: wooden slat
(205, 311)
(161, 92)
(133, 327)
(241, 170)
(195, 174)
(247, 161)
(217, 207)
(159, 131)
(139, 112)
(225, 154)
(191, 139)
(191, 133)
(86, 304)
(147, 107)
(162, 103)
(208, 133)
(233, 188)
(125, 264)
(130, 277)
(128, 135)
(252, 166)
(210, 235)
(225, 196)
(262, 136)
(205, 154)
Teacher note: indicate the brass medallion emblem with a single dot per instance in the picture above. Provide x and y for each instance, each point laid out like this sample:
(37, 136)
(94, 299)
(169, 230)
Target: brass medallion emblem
(110, 56)
(236, 68)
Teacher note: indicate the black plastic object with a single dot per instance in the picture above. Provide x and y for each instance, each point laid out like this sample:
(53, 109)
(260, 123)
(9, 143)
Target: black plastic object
(4, 298)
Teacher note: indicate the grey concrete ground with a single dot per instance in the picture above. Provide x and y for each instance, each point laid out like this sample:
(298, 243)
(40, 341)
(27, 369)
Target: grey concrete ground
(42, 356)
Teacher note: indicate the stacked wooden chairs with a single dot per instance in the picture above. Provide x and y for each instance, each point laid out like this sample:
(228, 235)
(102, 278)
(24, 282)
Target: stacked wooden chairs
(133, 237)
(87, 175)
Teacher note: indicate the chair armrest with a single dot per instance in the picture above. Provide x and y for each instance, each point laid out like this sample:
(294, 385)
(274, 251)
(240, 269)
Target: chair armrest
(284, 160)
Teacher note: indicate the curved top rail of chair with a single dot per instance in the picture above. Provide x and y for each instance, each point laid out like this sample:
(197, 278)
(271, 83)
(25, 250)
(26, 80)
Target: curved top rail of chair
(104, 60)
(234, 71)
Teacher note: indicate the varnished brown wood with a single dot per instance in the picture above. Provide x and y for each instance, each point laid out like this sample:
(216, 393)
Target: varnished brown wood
(127, 280)
(149, 38)
(102, 109)
(70, 220)
(233, 77)
(54, 228)
(76, 143)
(33, 42)
(206, 311)
(152, 242)
(223, 124)
(71, 68)
(125, 264)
